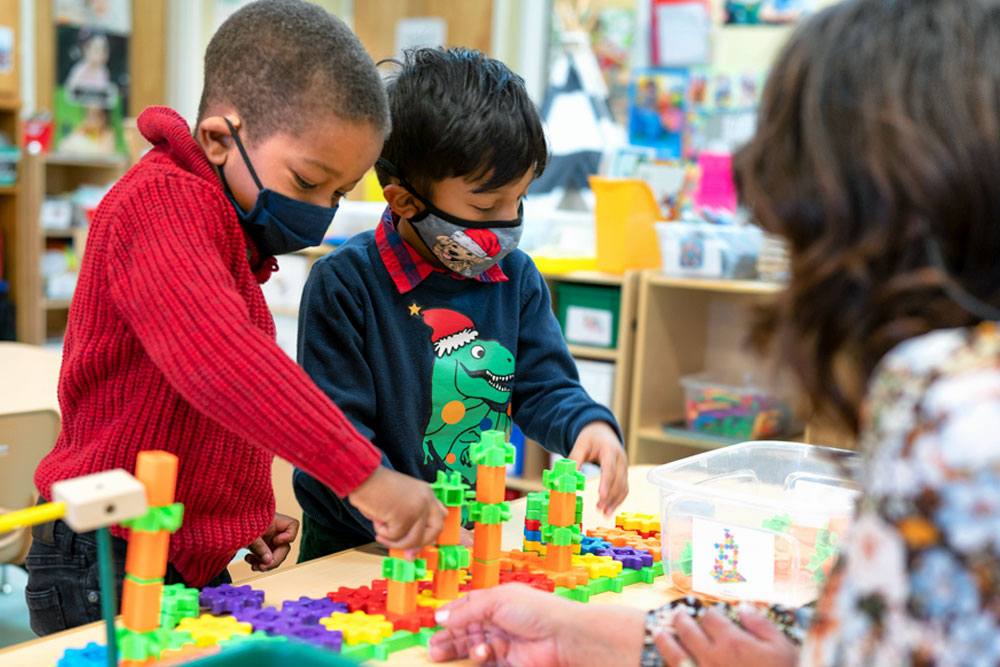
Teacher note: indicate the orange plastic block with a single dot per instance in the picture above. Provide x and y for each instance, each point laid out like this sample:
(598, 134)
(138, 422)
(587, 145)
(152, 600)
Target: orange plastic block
(571, 578)
(446, 584)
(485, 574)
(141, 605)
(491, 484)
(558, 559)
(486, 541)
(562, 508)
(451, 533)
(158, 471)
(136, 663)
(617, 537)
(398, 553)
(401, 597)
(430, 555)
(519, 561)
(146, 557)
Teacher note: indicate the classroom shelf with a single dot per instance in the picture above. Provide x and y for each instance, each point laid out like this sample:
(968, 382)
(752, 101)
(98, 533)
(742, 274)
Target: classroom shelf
(66, 233)
(114, 161)
(596, 353)
(722, 286)
(8, 189)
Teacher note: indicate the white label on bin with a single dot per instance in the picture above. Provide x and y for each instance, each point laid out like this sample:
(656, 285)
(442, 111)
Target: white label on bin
(589, 326)
(730, 560)
(832, 499)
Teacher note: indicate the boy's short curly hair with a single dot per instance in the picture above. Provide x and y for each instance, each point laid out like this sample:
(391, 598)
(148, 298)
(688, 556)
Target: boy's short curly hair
(279, 62)
(458, 113)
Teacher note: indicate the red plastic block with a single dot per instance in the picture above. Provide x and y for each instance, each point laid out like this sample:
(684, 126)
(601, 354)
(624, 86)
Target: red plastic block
(533, 579)
(370, 600)
(485, 574)
(422, 617)
(401, 597)
(486, 541)
(558, 558)
(532, 524)
(141, 605)
(491, 483)
(562, 509)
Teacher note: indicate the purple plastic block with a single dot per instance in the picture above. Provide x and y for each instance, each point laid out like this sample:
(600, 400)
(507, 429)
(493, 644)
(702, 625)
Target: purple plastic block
(629, 557)
(310, 634)
(229, 598)
(260, 619)
(310, 610)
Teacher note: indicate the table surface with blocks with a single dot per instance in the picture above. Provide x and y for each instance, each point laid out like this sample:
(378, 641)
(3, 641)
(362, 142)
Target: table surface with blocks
(360, 566)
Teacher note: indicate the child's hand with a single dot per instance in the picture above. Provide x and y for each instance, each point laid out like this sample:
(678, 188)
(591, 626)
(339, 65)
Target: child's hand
(405, 512)
(598, 443)
(269, 550)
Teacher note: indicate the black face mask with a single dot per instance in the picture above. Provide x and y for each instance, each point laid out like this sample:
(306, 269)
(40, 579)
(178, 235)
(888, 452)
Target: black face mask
(278, 224)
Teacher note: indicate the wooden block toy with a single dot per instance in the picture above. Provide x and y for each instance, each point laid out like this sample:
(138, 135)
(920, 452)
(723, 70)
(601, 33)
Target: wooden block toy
(100, 500)
(485, 574)
(158, 471)
(141, 605)
(491, 483)
(486, 541)
(146, 557)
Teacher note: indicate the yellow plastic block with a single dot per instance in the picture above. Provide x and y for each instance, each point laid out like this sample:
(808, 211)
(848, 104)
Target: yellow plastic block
(644, 523)
(536, 547)
(359, 627)
(577, 549)
(427, 599)
(598, 566)
(208, 630)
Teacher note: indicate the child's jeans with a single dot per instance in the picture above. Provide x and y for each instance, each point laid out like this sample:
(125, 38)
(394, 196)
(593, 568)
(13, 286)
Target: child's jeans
(63, 588)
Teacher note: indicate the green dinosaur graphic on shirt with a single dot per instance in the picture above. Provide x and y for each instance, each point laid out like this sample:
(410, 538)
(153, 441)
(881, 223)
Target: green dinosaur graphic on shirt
(471, 384)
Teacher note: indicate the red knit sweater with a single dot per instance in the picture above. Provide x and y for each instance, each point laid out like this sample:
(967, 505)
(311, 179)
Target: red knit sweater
(171, 346)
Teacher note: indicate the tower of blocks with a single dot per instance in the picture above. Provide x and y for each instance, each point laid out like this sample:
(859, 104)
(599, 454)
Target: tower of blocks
(560, 532)
(448, 558)
(489, 510)
(536, 515)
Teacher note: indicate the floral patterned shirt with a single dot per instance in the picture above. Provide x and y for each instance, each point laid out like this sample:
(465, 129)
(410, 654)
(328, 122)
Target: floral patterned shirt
(918, 578)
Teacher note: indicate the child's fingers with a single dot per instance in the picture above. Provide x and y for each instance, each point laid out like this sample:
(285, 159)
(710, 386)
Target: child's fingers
(260, 549)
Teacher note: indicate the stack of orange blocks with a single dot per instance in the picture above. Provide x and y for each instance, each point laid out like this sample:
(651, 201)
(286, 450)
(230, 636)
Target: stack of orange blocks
(448, 557)
(561, 532)
(491, 455)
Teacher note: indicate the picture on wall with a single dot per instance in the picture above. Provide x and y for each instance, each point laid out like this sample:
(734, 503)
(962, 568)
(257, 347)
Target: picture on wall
(658, 100)
(756, 12)
(92, 76)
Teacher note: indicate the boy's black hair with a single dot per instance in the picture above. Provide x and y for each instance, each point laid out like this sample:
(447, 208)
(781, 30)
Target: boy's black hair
(279, 62)
(458, 113)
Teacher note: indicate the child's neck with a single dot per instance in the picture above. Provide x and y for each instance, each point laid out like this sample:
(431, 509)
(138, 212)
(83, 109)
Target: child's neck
(410, 235)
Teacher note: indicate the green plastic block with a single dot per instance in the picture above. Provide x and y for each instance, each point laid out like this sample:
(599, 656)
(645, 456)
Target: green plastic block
(258, 637)
(684, 564)
(425, 635)
(563, 592)
(166, 518)
(489, 514)
(601, 585)
(397, 641)
(358, 652)
(563, 477)
(492, 450)
(826, 548)
(560, 536)
(647, 574)
(142, 645)
(580, 593)
(779, 523)
(402, 570)
(537, 506)
(452, 557)
(450, 489)
(177, 602)
(138, 580)
(629, 577)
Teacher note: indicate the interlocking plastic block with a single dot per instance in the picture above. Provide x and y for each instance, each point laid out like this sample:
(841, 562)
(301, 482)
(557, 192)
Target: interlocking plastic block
(318, 635)
(398, 641)
(576, 550)
(604, 585)
(631, 558)
(532, 535)
(563, 477)
(532, 524)
(453, 557)
(398, 569)
(207, 630)
(491, 484)
(450, 489)
(429, 555)
(359, 627)
(485, 574)
(263, 620)
(616, 536)
(643, 523)
(486, 541)
(253, 638)
(492, 450)
(571, 578)
(358, 652)
(422, 617)
(91, 655)
(310, 610)
(518, 561)
(558, 558)
(650, 573)
(561, 536)
(580, 593)
(144, 645)
(534, 547)
(537, 506)
(141, 605)
(146, 557)
(370, 600)
(228, 598)
(452, 531)
(490, 514)
(184, 654)
(100, 500)
(533, 579)
(401, 598)
(446, 583)
(562, 509)
(629, 577)
(157, 470)
(599, 566)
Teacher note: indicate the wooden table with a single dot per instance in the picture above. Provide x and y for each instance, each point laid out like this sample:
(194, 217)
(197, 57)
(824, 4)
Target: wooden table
(359, 566)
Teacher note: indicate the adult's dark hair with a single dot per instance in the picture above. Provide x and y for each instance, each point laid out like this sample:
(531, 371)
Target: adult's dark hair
(458, 113)
(879, 124)
(281, 62)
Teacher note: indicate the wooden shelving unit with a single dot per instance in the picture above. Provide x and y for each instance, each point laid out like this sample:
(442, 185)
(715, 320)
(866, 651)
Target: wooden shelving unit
(11, 201)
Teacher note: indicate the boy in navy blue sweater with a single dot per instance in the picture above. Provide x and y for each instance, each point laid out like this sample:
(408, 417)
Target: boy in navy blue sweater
(434, 327)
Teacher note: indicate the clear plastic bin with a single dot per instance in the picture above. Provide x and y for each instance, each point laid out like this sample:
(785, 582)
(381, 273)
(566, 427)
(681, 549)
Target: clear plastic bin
(705, 250)
(755, 521)
(735, 407)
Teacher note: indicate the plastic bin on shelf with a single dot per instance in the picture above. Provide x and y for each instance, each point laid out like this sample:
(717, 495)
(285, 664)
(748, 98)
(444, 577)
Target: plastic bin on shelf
(588, 314)
(706, 250)
(735, 407)
(626, 212)
(755, 521)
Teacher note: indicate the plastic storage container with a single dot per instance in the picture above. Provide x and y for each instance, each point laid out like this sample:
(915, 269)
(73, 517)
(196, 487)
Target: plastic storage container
(588, 314)
(626, 212)
(705, 250)
(737, 408)
(756, 521)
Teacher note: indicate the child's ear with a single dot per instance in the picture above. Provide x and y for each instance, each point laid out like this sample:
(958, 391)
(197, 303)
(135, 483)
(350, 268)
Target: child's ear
(215, 139)
(402, 203)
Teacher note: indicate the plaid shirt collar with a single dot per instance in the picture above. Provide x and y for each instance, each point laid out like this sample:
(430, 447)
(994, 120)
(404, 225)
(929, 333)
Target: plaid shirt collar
(405, 265)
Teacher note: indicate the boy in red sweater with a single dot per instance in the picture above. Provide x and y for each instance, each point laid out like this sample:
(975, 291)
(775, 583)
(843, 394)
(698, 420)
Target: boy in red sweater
(170, 344)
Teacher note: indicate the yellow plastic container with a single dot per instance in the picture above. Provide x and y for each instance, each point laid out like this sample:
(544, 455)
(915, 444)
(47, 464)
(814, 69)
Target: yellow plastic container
(626, 237)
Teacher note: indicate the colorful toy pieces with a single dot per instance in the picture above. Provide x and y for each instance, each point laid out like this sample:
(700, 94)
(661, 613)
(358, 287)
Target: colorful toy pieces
(397, 612)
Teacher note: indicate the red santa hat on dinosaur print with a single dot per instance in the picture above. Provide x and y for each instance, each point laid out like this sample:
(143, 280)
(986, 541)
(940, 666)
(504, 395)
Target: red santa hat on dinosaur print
(480, 242)
(451, 330)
